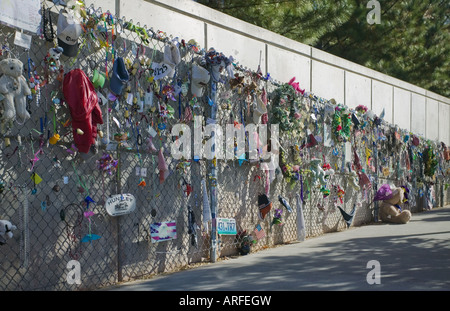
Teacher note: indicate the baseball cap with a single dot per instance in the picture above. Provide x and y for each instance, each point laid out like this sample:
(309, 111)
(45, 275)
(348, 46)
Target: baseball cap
(68, 32)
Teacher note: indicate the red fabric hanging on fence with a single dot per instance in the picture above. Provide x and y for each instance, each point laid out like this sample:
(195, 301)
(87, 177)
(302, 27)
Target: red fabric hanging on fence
(82, 100)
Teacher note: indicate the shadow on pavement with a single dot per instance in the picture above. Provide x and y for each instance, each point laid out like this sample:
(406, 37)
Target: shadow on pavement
(409, 261)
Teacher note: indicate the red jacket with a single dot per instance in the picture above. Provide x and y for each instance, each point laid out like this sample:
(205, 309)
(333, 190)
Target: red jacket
(80, 96)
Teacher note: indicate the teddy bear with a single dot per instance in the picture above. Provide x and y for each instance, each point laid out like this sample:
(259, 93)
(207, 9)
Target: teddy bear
(6, 228)
(390, 210)
(14, 89)
(52, 59)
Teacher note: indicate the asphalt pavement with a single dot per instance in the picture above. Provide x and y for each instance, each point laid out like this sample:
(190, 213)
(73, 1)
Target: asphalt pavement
(375, 257)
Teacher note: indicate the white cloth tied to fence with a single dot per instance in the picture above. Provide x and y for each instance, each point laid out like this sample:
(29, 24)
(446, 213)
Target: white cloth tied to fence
(301, 232)
(206, 207)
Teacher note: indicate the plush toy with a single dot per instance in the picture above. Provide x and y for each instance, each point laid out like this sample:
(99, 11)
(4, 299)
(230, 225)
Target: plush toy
(52, 59)
(390, 209)
(14, 89)
(6, 228)
(319, 175)
(353, 180)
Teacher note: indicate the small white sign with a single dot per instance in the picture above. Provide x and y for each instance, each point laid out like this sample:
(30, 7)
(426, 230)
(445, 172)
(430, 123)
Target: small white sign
(120, 204)
(148, 98)
(130, 99)
(23, 40)
(160, 70)
(151, 131)
(141, 171)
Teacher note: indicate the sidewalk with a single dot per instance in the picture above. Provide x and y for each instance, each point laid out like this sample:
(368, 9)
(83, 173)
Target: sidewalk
(414, 256)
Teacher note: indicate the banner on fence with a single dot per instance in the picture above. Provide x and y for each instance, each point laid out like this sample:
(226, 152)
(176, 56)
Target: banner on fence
(23, 14)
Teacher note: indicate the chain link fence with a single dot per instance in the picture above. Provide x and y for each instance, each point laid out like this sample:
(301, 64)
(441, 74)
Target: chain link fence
(45, 187)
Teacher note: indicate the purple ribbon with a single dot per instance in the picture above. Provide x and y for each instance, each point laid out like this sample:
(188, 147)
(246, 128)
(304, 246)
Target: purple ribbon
(301, 188)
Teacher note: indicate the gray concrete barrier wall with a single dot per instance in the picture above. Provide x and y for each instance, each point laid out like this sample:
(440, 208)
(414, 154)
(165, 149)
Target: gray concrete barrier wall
(408, 106)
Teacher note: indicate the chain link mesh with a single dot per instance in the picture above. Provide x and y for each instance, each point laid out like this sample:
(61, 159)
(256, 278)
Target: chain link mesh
(50, 214)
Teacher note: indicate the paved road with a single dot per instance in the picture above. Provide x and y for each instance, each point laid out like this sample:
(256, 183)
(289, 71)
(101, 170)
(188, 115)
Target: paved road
(415, 256)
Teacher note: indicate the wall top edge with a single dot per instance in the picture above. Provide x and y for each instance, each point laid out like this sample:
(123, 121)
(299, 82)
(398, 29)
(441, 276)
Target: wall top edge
(219, 19)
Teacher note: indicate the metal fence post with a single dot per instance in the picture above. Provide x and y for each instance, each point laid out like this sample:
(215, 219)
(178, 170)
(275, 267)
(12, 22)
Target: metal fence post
(213, 176)
(117, 219)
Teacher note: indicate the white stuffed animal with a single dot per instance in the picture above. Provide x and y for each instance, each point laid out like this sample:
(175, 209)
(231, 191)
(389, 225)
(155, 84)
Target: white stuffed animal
(320, 176)
(14, 89)
(353, 180)
(6, 228)
(52, 59)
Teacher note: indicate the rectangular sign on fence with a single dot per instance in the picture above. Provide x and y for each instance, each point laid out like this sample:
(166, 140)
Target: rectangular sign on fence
(163, 231)
(226, 226)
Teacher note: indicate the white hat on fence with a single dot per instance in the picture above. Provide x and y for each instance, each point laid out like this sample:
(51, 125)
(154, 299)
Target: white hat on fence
(68, 31)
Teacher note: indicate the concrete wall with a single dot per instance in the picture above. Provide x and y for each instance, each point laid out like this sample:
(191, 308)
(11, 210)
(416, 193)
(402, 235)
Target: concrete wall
(408, 106)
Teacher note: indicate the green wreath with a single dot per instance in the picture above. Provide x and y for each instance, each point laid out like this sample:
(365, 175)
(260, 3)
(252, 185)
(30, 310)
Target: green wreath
(291, 170)
(341, 125)
(430, 162)
(285, 109)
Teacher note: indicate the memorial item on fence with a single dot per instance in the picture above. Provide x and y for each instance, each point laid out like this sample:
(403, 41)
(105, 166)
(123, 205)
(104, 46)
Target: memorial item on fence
(6, 231)
(391, 200)
(85, 111)
(163, 231)
(120, 204)
(14, 90)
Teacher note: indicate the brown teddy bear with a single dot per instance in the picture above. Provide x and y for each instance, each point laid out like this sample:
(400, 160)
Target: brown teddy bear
(390, 210)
